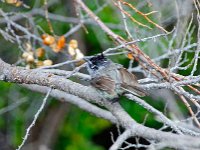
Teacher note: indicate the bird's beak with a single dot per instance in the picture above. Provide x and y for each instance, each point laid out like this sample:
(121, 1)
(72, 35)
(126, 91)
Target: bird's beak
(86, 59)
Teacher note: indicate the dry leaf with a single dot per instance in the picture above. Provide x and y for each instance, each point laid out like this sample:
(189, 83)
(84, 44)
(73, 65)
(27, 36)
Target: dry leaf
(61, 42)
(16, 3)
(25, 55)
(30, 59)
(28, 66)
(57, 44)
(40, 52)
(28, 46)
(130, 56)
(71, 51)
(47, 62)
(48, 39)
(28, 56)
(73, 44)
(54, 48)
(39, 64)
(11, 1)
(79, 54)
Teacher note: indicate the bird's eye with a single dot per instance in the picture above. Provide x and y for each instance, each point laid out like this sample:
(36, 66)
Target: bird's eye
(94, 67)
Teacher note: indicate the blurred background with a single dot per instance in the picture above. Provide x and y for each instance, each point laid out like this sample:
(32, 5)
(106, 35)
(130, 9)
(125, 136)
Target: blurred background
(61, 125)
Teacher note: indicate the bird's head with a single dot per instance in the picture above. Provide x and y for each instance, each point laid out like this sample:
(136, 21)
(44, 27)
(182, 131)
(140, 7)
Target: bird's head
(96, 62)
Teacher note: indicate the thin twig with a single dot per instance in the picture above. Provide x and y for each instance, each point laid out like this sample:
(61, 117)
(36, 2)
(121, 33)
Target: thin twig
(34, 120)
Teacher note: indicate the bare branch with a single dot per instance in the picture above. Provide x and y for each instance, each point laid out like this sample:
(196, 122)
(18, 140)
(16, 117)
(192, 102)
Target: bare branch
(34, 120)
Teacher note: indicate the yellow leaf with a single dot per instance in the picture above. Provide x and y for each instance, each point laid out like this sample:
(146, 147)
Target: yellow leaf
(48, 39)
(40, 52)
(130, 56)
(79, 54)
(73, 44)
(47, 62)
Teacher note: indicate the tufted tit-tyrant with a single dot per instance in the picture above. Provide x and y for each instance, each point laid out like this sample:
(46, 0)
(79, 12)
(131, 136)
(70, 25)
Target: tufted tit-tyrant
(112, 80)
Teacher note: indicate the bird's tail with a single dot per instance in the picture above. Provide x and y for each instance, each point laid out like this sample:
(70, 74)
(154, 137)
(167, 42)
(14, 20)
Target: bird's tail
(136, 91)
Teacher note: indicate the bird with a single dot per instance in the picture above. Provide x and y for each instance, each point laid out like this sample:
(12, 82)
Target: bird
(110, 79)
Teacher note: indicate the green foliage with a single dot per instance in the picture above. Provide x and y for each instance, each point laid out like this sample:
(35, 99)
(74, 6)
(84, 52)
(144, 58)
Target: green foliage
(139, 113)
(78, 129)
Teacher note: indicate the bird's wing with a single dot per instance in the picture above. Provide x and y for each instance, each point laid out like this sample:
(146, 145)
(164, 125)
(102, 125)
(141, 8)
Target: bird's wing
(104, 83)
(129, 83)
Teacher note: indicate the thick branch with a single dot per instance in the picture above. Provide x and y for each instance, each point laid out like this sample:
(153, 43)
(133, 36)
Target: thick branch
(82, 104)
(20, 75)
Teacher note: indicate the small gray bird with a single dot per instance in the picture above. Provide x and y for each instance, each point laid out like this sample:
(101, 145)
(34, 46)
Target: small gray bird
(112, 80)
